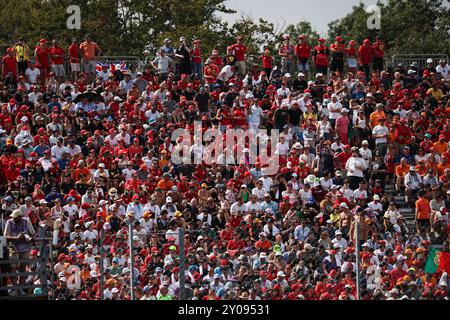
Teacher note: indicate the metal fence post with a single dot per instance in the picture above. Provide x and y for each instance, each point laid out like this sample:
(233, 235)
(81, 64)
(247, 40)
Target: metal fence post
(358, 293)
(131, 254)
(43, 272)
(182, 293)
(100, 249)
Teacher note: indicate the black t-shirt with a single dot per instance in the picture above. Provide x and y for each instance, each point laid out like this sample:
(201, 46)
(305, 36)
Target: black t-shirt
(202, 100)
(295, 116)
(299, 85)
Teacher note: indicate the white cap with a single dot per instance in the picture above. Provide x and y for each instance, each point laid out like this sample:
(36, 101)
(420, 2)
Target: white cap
(376, 197)
(364, 142)
(281, 274)
(287, 75)
(301, 74)
(344, 205)
(93, 274)
(338, 232)
(249, 96)
(344, 110)
(23, 119)
(169, 199)
(429, 60)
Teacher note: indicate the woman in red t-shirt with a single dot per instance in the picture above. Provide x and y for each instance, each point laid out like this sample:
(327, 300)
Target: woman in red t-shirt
(42, 54)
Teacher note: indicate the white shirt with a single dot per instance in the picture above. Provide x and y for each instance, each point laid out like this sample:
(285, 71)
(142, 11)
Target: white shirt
(236, 207)
(443, 70)
(259, 193)
(335, 110)
(255, 117)
(380, 130)
(366, 154)
(57, 151)
(357, 193)
(32, 74)
(267, 183)
(355, 167)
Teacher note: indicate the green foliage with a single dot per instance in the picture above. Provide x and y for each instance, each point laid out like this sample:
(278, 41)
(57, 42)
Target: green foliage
(302, 27)
(407, 26)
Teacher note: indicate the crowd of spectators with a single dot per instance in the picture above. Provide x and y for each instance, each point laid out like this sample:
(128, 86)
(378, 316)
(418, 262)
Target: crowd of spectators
(85, 153)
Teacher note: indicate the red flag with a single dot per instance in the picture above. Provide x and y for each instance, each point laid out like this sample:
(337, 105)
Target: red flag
(444, 262)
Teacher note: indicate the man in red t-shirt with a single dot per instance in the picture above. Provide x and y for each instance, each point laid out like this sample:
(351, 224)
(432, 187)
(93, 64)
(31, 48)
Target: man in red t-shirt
(9, 63)
(303, 52)
(57, 60)
(239, 50)
(74, 55)
(365, 57)
(321, 53)
(378, 54)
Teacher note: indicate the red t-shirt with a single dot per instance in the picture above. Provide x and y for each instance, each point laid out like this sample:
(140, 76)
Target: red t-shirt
(74, 54)
(365, 54)
(266, 62)
(239, 51)
(321, 55)
(10, 65)
(303, 50)
(42, 58)
(59, 52)
(197, 55)
(378, 49)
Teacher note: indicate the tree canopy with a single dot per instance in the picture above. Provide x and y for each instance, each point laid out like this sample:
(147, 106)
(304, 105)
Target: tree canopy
(126, 27)
(407, 26)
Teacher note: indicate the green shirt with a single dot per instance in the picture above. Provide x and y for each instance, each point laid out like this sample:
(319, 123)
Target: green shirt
(168, 297)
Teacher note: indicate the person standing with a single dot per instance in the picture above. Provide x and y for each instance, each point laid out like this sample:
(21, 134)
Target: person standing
(378, 49)
(9, 64)
(351, 56)
(239, 50)
(74, 55)
(355, 167)
(18, 234)
(303, 52)
(286, 52)
(22, 55)
(365, 57)
(196, 59)
(163, 64)
(89, 52)
(183, 53)
(57, 59)
(337, 50)
(42, 54)
(320, 54)
(380, 132)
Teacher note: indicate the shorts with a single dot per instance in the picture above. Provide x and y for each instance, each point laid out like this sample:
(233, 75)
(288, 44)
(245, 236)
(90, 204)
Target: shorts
(14, 255)
(89, 66)
(58, 69)
(352, 63)
(75, 67)
(423, 223)
(303, 65)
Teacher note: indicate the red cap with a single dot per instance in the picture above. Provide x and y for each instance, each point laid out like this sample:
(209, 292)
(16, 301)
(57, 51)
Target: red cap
(442, 137)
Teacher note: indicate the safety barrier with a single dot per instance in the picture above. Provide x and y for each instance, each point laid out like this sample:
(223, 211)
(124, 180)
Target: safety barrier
(420, 59)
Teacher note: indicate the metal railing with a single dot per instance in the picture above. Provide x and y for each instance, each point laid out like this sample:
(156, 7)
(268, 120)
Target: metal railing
(44, 271)
(420, 59)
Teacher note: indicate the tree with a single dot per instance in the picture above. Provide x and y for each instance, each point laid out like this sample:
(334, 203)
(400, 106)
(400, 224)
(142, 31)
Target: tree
(302, 27)
(407, 26)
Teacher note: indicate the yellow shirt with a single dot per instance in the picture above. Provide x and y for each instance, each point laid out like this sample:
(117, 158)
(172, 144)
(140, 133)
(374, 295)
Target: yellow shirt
(22, 53)
(437, 94)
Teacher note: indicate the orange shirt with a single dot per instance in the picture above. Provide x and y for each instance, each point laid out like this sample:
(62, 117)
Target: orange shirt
(165, 185)
(421, 170)
(78, 171)
(440, 147)
(375, 117)
(441, 168)
(423, 209)
(400, 171)
(88, 50)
